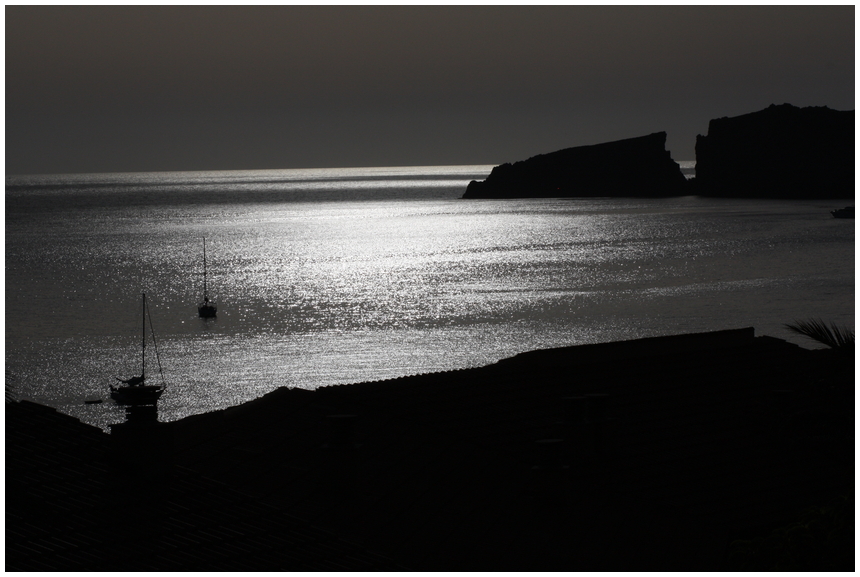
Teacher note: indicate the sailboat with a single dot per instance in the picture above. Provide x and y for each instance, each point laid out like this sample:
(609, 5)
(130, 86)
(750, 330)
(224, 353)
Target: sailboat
(135, 391)
(206, 309)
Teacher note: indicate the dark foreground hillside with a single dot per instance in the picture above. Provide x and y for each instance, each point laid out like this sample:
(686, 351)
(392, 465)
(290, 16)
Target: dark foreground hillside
(695, 452)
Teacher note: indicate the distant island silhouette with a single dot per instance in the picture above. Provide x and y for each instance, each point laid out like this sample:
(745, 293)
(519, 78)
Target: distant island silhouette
(779, 152)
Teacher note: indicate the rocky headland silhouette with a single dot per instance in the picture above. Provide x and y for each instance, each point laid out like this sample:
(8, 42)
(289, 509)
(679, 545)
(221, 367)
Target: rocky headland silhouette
(639, 164)
(782, 151)
(779, 152)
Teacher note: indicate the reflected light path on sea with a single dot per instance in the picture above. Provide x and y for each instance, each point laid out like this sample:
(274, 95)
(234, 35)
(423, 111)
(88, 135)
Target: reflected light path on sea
(344, 291)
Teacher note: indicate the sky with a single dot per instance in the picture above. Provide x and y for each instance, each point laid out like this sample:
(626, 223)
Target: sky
(164, 88)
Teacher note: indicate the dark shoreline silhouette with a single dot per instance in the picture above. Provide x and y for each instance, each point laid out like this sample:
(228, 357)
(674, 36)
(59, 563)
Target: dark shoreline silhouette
(656, 454)
(781, 152)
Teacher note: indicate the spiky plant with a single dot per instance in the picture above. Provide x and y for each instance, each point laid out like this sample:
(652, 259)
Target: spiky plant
(835, 337)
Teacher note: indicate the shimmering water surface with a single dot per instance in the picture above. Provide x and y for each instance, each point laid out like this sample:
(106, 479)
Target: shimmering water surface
(341, 276)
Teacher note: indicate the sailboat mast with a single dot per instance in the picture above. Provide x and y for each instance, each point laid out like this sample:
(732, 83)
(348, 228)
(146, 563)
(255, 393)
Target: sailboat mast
(205, 292)
(143, 337)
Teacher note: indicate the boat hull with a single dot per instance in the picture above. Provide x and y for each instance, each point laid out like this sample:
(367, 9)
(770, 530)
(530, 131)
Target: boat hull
(136, 395)
(207, 311)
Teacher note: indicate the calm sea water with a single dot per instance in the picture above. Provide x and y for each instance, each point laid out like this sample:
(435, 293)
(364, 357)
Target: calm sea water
(341, 276)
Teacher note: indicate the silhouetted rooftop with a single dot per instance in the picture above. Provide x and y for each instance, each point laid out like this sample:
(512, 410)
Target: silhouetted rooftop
(70, 506)
(644, 455)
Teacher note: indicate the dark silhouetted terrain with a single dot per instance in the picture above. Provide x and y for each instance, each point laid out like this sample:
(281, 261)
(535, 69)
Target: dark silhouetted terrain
(654, 455)
(781, 152)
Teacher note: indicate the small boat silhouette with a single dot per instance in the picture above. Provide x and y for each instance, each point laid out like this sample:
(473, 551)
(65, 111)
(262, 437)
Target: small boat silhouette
(206, 309)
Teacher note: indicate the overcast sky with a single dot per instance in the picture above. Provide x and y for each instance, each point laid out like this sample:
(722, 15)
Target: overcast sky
(105, 89)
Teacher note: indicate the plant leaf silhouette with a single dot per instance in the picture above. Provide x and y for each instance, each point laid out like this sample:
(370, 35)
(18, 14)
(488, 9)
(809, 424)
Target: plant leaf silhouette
(833, 336)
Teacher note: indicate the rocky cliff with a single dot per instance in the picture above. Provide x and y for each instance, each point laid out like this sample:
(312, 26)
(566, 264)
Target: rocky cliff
(779, 152)
(633, 167)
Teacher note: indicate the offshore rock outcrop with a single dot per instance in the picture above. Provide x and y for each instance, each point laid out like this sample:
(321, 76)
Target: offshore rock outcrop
(779, 152)
(633, 167)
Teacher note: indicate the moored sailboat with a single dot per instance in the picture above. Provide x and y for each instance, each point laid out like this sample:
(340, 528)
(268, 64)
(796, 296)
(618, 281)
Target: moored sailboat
(206, 309)
(135, 390)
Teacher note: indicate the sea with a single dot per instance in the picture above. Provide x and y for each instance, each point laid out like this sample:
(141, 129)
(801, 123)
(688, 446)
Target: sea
(338, 276)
